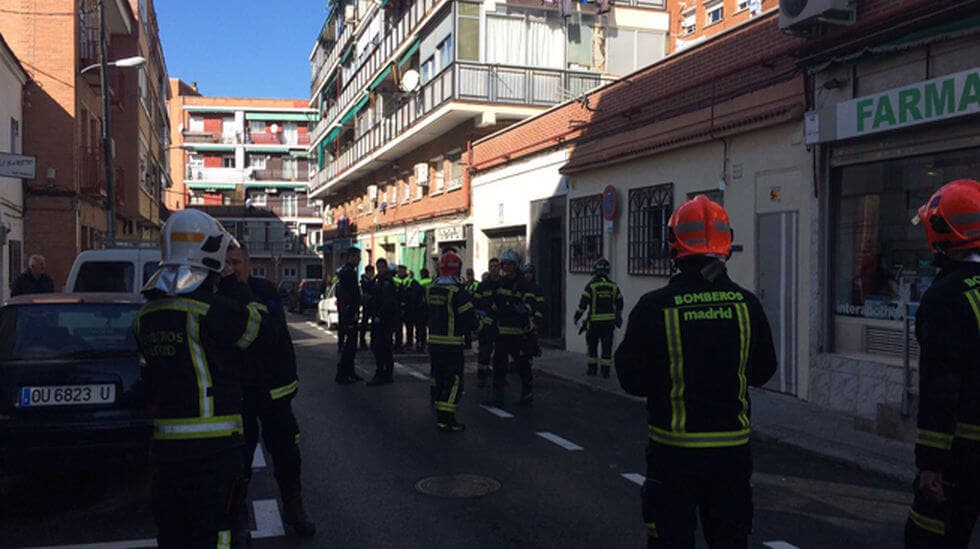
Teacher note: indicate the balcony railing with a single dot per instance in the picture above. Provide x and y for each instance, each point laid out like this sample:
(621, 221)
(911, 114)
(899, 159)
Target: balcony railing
(471, 82)
(214, 175)
(283, 247)
(263, 138)
(298, 174)
(191, 136)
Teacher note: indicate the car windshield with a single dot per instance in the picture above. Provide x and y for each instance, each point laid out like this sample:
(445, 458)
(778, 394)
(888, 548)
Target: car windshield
(105, 276)
(81, 330)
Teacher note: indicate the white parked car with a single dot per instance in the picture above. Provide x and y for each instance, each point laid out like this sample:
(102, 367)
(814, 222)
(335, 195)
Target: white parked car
(326, 311)
(122, 270)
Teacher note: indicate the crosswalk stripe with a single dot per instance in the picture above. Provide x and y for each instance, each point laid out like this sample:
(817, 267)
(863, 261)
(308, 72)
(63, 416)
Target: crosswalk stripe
(258, 458)
(497, 411)
(635, 478)
(268, 523)
(417, 375)
(566, 444)
(779, 545)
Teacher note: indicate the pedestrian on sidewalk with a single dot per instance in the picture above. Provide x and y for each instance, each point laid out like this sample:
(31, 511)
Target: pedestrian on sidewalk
(367, 290)
(34, 280)
(947, 327)
(384, 321)
(486, 330)
(604, 302)
(698, 457)
(451, 314)
(348, 306)
(512, 316)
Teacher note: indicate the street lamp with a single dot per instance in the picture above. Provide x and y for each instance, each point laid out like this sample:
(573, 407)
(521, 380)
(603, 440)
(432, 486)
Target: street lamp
(125, 62)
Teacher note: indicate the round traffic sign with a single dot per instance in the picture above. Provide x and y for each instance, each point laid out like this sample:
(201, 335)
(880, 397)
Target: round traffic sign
(610, 203)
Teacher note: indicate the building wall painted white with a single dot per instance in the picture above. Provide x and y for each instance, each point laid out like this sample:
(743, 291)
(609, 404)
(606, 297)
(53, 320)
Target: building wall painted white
(502, 198)
(12, 82)
(757, 161)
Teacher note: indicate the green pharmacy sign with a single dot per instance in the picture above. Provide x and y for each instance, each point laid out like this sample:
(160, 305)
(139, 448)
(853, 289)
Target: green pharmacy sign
(938, 99)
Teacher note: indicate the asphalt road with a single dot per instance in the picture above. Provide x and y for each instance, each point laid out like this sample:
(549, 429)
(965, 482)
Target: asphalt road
(561, 473)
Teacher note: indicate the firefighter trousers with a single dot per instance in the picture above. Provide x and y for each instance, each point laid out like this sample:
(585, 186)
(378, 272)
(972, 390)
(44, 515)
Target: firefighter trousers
(275, 422)
(712, 482)
(198, 503)
(381, 346)
(599, 332)
(506, 348)
(949, 524)
(347, 336)
(447, 371)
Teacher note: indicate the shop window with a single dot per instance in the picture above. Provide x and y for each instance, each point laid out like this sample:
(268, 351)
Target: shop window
(584, 233)
(649, 210)
(881, 261)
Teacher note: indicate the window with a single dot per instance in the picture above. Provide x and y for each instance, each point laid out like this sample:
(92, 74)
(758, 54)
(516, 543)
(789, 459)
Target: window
(290, 205)
(715, 195)
(393, 194)
(257, 126)
(439, 178)
(628, 49)
(689, 24)
(407, 192)
(456, 173)
(649, 210)
(289, 272)
(14, 134)
(260, 199)
(144, 167)
(258, 271)
(584, 233)
(445, 49)
(196, 124)
(257, 161)
(428, 69)
(196, 199)
(468, 45)
(228, 161)
(742, 5)
(143, 86)
(105, 276)
(714, 14)
(579, 54)
(508, 37)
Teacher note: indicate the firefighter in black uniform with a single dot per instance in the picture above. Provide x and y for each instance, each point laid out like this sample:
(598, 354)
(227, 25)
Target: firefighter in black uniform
(535, 298)
(470, 285)
(486, 331)
(698, 457)
(405, 331)
(511, 313)
(192, 340)
(414, 311)
(451, 315)
(604, 302)
(348, 306)
(947, 326)
(367, 289)
(385, 312)
(268, 393)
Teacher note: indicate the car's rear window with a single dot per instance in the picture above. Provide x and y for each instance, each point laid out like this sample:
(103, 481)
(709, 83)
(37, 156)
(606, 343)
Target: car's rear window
(149, 268)
(82, 330)
(104, 276)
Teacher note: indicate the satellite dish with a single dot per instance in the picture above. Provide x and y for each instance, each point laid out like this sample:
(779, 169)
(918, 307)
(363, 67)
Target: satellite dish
(410, 81)
(275, 128)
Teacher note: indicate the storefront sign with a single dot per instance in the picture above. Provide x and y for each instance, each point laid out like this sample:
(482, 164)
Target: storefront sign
(16, 165)
(938, 99)
(451, 234)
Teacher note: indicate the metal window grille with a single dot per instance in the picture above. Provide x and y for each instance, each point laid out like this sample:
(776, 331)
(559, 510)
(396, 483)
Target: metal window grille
(649, 210)
(584, 233)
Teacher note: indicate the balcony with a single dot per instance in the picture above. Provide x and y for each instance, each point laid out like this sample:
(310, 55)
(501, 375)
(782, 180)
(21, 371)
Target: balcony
(201, 174)
(298, 175)
(469, 82)
(278, 139)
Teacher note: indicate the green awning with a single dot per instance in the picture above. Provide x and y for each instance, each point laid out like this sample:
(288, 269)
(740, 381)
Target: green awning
(354, 110)
(216, 186)
(267, 149)
(411, 51)
(209, 146)
(275, 117)
(332, 135)
(276, 184)
(347, 54)
(377, 81)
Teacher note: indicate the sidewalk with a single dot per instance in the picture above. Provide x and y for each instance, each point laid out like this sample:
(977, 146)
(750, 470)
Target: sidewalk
(775, 417)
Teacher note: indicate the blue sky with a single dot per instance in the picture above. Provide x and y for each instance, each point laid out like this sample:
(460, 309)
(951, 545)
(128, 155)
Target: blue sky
(245, 48)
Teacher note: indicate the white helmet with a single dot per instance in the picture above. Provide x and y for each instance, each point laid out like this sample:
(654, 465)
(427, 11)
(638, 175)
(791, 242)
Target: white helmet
(192, 245)
(511, 256)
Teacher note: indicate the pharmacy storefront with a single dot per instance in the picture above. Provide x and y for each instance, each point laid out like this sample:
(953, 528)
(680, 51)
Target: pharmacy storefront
(887, 150)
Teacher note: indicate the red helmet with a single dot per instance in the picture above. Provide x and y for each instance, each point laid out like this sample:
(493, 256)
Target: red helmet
(952, 217)
(699, 227)
(450, 264)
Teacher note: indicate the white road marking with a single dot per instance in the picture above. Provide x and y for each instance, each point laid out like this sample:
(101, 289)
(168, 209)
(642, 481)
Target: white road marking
(314, 324)
(566, 444)
(417, 375)
(258, 459)
(635, 478)
(400, 366)
(497, 411)
(780, 545)
(268, 523)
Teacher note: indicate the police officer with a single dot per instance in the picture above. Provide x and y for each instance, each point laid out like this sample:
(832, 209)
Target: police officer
(604, 302)
(698, 458)
(451, 315)
(348, 305)
(512, 316)
(367, 288)
(268, 394)
(192, 339)
(384, 320)
(947, 326)
(486, 331)
(422, 319)
(535, 299)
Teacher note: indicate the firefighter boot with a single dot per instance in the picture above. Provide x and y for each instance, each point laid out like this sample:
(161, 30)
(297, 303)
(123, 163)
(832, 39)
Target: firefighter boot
(482, 375)
(295, 515)
(447, 423)
(605, 372)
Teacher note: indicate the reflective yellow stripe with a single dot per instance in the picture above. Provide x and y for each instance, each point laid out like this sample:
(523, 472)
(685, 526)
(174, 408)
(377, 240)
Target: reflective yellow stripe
(465, 307)
(602, 317)
(197, 427)
(445, 407)
(252, 329)
(285, 390)
(652, 530)
(509, 330)
(675, 353)
(445, 340)
(935, 439)
(455, 392)
(176, 304)
(928, 524)
(973, 297)
(201, 370)
(224, 539)
(606, 362)
(745, 339)
(708, 439)
(451, 328)
(968, 431)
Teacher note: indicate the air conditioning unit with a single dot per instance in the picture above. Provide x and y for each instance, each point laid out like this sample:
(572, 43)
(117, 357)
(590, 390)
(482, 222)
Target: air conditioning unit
(808, 17)
(350, 14)
(422, 174)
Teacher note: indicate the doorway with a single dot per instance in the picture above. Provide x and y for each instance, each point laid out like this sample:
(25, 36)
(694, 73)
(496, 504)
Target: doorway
(776, 280)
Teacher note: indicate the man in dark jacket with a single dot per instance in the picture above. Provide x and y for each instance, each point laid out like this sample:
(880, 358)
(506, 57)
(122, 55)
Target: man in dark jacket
(348, 306)
(486, 330)
(34, 280)
(947, 326)
(367, 289)
(385, 312)
(269, 390)
(698, 457)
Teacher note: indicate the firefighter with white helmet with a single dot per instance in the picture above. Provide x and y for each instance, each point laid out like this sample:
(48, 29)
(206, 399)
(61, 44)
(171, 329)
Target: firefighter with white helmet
(511, 311)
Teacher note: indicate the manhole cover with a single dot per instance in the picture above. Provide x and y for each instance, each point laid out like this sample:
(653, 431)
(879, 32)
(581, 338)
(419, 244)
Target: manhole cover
(457, 486)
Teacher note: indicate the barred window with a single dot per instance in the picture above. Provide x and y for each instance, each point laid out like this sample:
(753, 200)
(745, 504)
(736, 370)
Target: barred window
(584, 233)
(715, 195)
(649, 210)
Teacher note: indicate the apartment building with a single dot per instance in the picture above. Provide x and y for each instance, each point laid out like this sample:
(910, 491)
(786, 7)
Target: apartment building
(65, 206)
(694, 21)
(13, 79)
(404, 87)
(246, 162)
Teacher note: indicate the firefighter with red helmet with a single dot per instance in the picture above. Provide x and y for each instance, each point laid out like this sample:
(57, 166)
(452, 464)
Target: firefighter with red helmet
(451, 316)
(947, 326)
(698, 457)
